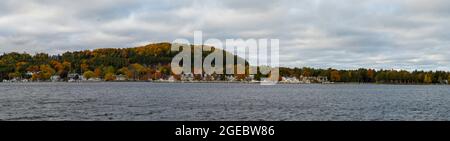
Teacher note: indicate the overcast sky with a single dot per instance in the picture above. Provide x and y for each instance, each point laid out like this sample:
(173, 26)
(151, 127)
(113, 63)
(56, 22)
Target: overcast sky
(344, 34)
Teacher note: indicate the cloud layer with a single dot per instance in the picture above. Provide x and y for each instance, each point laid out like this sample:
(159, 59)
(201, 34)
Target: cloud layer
(346, 34)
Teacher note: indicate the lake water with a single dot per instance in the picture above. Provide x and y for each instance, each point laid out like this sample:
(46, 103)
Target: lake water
(224, 102)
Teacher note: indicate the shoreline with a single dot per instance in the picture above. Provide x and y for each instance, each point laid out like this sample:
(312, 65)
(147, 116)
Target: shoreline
(226, 82)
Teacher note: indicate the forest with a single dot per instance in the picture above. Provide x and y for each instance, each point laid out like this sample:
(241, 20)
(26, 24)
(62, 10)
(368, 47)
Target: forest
(152, 62)
(364, 75)
(139, 63)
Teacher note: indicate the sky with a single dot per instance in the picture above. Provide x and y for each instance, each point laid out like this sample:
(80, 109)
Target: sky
(342, 34)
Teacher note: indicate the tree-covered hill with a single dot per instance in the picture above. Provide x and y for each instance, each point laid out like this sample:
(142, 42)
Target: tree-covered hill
(142, 62)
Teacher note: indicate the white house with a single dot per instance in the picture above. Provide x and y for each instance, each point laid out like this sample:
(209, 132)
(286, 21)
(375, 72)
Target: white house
(290, 80)
(171, 79)
(120, 77)
(55, 78)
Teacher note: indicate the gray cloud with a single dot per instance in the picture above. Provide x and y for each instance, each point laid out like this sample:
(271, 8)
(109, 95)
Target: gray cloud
(347, 34)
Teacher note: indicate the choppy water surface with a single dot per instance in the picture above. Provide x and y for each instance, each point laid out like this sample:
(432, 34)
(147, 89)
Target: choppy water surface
(161, 101)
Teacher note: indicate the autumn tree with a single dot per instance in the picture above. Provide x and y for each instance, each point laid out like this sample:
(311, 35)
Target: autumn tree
(33, 69)
(165, 69)
(157, 75)
(306, 72)
(45, 73)
(136, 71)
(427, 79)
(110, 77)
(371, 75)
(21, 68)
(335, 76)
(59, 67)
(109, 69)
(448, 79)
(67, 66)
(381, 77)
(14, 75)
(84, 67)
(98, 73)
(88, 74)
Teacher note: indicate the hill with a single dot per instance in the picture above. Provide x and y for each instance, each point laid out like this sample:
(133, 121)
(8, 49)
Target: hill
(145, 62)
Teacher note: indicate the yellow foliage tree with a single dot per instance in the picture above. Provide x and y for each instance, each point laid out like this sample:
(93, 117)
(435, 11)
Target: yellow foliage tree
(448, 79)
(110, 77)
(371, 74)
(335, 76)
(126, 72)
(427, 79)
(21, 66)
(46, 72)
(97, 72)
(84, 67)
(136, 70)
(88, 74)
(67, 65)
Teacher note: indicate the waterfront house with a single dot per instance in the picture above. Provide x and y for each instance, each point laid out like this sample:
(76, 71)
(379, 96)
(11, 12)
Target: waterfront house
(305, 80)
(218, 76)
(171, 79)
(14, 80)
(208, 78)
(290, 80)
(55, 78)
(230, 78)
(187, 77)
(322, 79)
(250, 77)
(74, 76)
(121, 77)
(29, 73)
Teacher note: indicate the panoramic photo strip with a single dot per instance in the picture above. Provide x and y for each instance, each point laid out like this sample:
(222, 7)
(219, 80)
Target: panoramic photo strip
(215, 69)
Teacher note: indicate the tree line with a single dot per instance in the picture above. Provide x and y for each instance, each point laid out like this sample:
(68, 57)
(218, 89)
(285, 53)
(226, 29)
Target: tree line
(153, 62)
(363, 75)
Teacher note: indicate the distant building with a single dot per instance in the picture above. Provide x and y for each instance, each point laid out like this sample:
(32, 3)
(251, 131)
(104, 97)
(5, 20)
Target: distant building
(290, 80)
(121, 77)
(29, 73)
(230, 78)
(14, 80)
(171, 79)
(322, 79)
(74, 76)
(187, 77)
(304, 79)
(250, 77)
(55, 78)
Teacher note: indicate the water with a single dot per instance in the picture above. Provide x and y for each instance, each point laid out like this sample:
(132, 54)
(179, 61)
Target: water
(224, 102)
